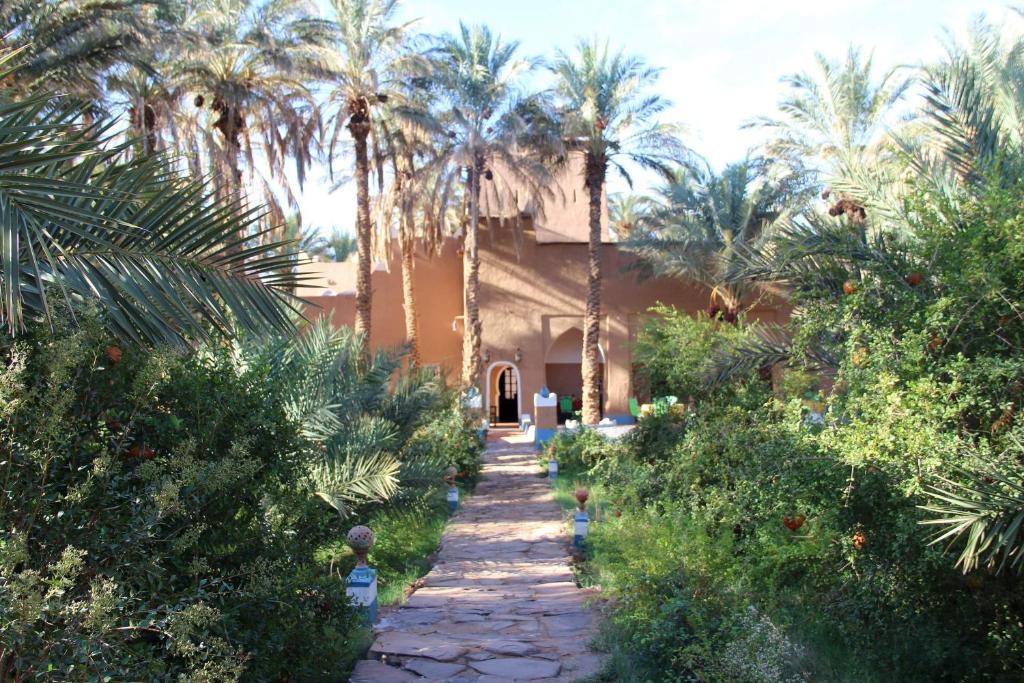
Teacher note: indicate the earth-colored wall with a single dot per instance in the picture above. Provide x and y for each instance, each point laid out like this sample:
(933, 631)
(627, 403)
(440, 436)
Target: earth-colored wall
(438, 282)
(528, 299)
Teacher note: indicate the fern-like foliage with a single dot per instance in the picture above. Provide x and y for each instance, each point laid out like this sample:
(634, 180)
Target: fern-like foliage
(357, 412)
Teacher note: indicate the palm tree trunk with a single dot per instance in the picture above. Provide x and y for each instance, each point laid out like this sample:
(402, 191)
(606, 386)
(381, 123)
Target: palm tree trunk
(409, 299)
(407, 243)
(471, 267)
(596, 168)
(359, 127)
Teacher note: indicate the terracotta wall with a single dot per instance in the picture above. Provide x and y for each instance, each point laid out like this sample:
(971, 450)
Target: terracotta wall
(438, 283)
(528, 300)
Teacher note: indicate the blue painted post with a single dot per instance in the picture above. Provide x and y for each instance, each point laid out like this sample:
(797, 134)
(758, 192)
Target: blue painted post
(453, 490)
(581, 519)
(361, 585)
(552, 467)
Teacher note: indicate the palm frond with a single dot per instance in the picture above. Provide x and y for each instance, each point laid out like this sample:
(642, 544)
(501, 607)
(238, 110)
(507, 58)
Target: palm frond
(986, 514)
(158, 251)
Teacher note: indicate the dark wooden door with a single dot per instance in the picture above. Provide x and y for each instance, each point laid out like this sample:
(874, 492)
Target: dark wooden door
(508, 396)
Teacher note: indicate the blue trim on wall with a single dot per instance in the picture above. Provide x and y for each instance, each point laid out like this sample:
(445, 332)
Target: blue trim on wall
(543, 434)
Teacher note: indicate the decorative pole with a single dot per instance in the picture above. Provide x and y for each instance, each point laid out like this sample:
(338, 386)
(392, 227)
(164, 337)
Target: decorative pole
(361, 586)
(453, 490)
(552, 464)
(581, 518)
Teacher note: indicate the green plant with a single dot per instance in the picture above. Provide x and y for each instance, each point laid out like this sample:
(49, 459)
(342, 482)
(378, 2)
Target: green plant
(155, 249)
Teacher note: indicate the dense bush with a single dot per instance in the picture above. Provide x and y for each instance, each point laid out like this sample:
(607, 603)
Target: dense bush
(671, 348)
(159, 519)
(710, 575)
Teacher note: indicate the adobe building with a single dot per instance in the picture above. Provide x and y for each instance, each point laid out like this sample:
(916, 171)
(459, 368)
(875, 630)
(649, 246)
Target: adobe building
(533, 287)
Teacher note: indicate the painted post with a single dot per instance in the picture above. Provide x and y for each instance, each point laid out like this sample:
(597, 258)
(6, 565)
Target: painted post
(361, 585)
(453, 490)
(545, 410)
(581, 518)
(552, 464)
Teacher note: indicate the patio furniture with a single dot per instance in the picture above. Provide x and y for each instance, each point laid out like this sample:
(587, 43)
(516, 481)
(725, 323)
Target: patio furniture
(565, 405)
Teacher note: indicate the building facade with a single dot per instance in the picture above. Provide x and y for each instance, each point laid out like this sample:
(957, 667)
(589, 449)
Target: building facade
(533, 287)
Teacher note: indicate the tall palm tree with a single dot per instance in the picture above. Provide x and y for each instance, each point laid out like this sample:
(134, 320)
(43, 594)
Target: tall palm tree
(246, 65)
(150, 104)
(406, 194)
(481, 127)
(370, 44)
(705, 221)
(837, 116)
(69, 45)
(836, 125)
(972, 121)
(154, 250)
(609, 114)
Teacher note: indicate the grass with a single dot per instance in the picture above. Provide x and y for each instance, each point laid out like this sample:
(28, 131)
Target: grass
(406, 541)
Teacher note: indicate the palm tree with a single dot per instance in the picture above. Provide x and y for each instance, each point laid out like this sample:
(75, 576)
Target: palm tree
(706, 221)
(246, 65)
(836, 126)
(337, 246)
(69, 45)
(370, 44)
(150, 105)
(353, 406)
(608, 114)
(630, 214)
(837, 116)
(155, 251)
(480, 129)
(407, 194)
(973, 119)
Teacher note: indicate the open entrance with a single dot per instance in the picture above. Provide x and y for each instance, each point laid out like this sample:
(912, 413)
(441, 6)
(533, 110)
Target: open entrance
(563, 373)
(503, 394)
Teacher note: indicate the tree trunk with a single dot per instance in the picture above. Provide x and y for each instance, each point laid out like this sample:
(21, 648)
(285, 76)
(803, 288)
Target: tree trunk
(596, 168)
(409, 299)
(471, 267)
(359, 127)
(407, 242)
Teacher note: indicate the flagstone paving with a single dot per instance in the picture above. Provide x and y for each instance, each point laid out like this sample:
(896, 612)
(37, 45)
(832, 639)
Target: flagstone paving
(501, 604)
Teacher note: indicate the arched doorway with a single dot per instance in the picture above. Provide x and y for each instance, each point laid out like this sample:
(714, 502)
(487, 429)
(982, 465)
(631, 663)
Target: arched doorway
(504, 396)
(563, 371)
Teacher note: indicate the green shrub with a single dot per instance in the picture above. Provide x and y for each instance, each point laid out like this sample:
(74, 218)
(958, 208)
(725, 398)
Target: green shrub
(708, 583)
(159, 519)
(672, 347)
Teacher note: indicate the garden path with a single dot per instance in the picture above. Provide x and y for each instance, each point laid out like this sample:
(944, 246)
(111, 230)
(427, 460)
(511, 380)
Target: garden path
(501, 604)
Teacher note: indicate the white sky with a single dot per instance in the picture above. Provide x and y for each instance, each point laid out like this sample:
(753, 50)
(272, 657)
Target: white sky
(722, 60)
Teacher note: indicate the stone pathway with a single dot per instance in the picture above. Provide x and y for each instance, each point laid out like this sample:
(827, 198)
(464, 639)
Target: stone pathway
(500, 605)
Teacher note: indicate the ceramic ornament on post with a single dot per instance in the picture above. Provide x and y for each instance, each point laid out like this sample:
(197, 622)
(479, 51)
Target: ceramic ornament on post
(453, 490)
(361, 586)
(581, 518)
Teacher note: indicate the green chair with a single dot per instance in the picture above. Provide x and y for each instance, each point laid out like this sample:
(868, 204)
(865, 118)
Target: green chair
(565, 405)
(634, 407)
